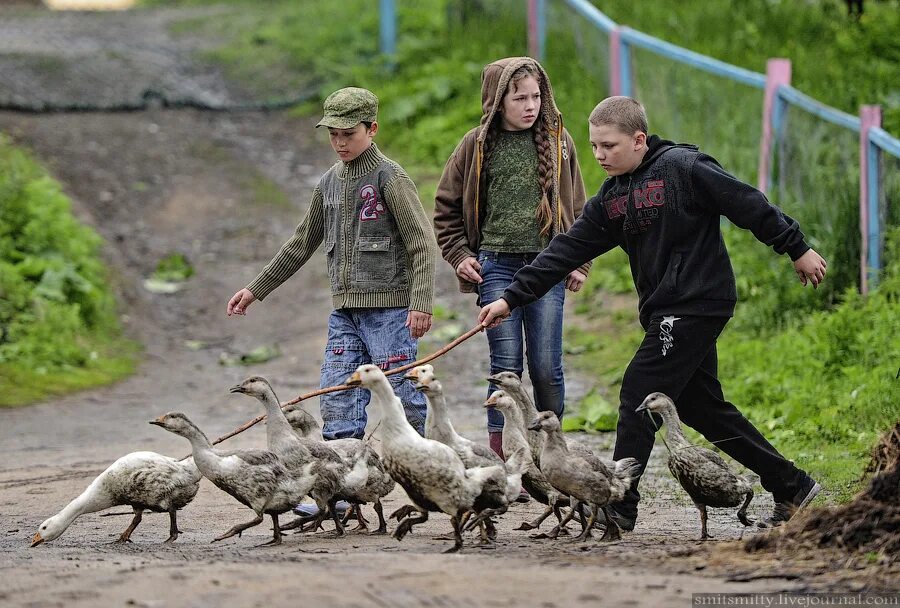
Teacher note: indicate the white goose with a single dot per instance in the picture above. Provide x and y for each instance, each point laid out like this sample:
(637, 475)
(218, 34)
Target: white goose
(533, 480)
(146, 481)
(438, 427)
(432, 474)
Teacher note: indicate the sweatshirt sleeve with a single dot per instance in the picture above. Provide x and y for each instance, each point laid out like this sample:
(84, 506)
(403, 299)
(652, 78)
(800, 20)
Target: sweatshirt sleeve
(295, 252)
(403, 202)
(718, 191)
(449, 223)
(585, 240)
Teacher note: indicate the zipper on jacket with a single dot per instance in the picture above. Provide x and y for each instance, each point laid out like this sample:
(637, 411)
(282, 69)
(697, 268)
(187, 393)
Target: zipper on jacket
(345, 205)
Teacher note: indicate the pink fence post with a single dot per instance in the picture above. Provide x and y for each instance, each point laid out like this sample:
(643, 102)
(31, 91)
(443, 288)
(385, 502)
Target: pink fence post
(778, 72)
(869, 116)
(615, 63)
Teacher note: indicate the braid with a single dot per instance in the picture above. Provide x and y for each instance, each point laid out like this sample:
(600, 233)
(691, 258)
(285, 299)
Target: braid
(490, 137)
(544, 212)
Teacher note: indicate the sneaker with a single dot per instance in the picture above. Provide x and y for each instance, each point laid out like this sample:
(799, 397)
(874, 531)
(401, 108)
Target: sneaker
(523, 496)
(624, 522)
(784, 510)
(309, 509)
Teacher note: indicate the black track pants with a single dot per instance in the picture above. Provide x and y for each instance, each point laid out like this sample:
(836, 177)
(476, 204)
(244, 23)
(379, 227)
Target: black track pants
(678, 357)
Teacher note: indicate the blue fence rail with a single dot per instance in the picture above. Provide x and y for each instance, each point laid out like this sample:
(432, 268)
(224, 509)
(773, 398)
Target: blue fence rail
(874, 141)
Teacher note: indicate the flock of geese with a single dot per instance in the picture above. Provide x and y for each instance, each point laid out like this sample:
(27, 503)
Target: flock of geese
(440, 472)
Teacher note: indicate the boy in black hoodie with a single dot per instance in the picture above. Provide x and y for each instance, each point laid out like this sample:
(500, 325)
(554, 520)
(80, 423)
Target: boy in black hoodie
(662, 204)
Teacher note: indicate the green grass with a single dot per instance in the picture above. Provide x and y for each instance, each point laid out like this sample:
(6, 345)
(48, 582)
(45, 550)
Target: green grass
(59, 329)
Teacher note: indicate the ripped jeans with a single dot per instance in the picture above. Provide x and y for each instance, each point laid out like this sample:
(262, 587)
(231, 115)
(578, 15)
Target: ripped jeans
(366, 335)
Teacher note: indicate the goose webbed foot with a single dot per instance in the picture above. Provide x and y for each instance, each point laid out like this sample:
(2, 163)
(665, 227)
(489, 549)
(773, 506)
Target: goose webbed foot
(172, 538)
(526, 526)
(403, 512)
(612, 528)
(742, 512)
(406, 525)
(457, 535)
(382, 524)
(239, 529)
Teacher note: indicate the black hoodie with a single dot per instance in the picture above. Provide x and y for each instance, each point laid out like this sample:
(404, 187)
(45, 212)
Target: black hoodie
(666, 216)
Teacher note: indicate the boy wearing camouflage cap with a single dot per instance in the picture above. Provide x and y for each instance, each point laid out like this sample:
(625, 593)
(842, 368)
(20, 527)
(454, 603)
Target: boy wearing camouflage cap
(380, 253)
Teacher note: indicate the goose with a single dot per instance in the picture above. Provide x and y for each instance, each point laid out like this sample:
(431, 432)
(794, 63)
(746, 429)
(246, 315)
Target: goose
(703, 474)
(585, 478)
(439, 428)
(432, 474)
(325, 472)
(533, 480)
(256, 478)
(437, 421)
(512, 384)
(378, 482)
(146, 481)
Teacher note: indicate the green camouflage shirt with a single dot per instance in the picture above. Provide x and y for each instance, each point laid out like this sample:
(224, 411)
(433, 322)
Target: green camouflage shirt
(513, 195)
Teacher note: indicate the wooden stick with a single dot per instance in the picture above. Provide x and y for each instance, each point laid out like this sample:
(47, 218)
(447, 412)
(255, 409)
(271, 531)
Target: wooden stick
(344, 387)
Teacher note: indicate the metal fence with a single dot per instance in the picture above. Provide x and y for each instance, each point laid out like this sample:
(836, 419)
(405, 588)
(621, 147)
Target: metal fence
(804, 150)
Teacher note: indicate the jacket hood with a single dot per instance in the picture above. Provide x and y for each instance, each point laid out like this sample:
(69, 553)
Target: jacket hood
(495, 78)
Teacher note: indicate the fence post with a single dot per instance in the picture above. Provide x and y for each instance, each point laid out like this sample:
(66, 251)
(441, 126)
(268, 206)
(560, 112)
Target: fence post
(869, 185)
(620, 82)
(388, 26)
(537, 28)
(778, 72)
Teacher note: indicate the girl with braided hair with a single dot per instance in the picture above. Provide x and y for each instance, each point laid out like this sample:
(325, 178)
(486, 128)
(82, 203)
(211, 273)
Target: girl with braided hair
(509, 187)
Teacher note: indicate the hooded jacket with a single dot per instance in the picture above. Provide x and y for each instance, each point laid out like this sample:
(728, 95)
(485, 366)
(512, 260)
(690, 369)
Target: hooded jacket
(666, 216)
(459, 208)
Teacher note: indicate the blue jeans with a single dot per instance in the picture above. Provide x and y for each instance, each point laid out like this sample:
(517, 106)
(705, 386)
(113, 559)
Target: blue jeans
(541, 323)
(366, 335)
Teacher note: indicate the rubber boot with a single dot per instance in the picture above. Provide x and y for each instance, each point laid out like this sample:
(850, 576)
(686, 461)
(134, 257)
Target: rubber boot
(495, 440)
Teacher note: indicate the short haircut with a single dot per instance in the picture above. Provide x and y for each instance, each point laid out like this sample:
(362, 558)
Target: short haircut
(624, 113)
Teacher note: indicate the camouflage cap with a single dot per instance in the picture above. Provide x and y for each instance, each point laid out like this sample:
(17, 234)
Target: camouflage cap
(346, 108)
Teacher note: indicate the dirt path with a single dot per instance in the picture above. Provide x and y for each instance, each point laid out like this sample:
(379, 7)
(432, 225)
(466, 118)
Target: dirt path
(158, 182)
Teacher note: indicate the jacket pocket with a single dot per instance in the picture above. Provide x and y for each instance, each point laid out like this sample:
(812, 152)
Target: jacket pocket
(673, 271)
(331, 264)
(375, 259)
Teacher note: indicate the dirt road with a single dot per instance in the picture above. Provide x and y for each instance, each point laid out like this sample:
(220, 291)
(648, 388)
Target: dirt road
(158, 182)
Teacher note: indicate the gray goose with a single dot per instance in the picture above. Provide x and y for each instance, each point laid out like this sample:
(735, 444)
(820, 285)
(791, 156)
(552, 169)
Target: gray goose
(584, 477)
(256, 478)
(432, 474)
(378, 483)
(703, 474)
(512, 385)
(313, 462)
(146, 481)
(533, 480)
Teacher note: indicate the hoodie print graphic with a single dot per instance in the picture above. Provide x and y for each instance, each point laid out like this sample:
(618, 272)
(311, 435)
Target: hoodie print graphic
(665, 333)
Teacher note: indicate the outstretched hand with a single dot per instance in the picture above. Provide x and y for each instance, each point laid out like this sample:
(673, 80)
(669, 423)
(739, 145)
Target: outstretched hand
(239, 302)
(810, 267)
(493, 314)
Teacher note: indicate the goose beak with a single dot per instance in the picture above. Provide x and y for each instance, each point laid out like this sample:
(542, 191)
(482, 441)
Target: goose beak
(157, 421)
(491, 401)
(36, 540)
(411, 375)
(237, 388)
(535, 425)
(354, 380)
(642, 407)
(493, 379)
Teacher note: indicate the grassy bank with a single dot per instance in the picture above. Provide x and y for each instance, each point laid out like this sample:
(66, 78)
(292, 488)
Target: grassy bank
(810, 367)
(58, 326)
